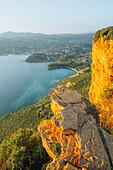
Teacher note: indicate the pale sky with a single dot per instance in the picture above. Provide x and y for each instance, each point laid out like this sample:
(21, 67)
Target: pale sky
(55, 16)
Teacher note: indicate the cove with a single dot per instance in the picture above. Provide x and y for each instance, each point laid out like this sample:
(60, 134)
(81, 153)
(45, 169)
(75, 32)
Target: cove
(23, 84)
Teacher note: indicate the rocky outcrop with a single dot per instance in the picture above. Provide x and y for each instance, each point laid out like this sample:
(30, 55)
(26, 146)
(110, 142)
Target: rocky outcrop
(64, 98)
(101, 90)
(71, 137)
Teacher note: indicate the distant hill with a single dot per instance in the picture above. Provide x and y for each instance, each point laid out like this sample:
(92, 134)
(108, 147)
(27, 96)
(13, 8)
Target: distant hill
(27, 43)
(12, 35)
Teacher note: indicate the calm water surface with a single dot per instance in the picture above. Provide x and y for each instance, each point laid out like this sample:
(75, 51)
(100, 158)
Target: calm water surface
(23, 84)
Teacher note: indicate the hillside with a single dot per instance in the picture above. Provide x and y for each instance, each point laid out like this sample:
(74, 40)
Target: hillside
(28, 43)
(74, 53)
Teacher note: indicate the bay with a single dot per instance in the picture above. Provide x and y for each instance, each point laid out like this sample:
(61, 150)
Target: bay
(23, 84)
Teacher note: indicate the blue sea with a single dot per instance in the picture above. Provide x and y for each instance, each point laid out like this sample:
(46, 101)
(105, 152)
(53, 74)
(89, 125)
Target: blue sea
(23, 84)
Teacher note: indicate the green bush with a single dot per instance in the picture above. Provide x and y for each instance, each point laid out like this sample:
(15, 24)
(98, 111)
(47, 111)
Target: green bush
(56, 148)
(108, 92)
(111, 131)
(106, 31)
(22, 150)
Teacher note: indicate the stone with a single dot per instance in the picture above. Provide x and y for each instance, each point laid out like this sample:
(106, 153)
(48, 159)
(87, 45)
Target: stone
(79, 138)
(108, 142)
(64, 98)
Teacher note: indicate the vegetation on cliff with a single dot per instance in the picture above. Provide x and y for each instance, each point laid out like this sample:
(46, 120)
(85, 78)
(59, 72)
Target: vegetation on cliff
(108, 92)
(28, 117)
(55, 147)
(23, 150)
(106, 112)
(81, 83)
(107, 32)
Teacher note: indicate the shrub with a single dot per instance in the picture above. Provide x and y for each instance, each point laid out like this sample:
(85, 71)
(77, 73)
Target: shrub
(111, 131)
(56, 148)
(106, 31)
(105, 109)
(22, 150)
(108, 92)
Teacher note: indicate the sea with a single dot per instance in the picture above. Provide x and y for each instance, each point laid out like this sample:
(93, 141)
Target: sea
(23, 84)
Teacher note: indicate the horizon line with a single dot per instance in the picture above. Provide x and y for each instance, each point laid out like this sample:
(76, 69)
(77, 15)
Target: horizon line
(92, 32)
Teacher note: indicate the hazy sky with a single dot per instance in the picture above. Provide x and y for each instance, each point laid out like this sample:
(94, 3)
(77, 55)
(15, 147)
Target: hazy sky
(55, 16)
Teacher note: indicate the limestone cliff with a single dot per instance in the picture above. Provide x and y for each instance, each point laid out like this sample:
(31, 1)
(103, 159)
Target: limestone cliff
(101, 90)
(71, 137)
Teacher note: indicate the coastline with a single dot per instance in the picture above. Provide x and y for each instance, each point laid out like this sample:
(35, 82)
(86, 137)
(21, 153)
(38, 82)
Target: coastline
(73, 69)
(77, 72)
(50, 88)
(63, 67)
(15, 111)
(50, 68)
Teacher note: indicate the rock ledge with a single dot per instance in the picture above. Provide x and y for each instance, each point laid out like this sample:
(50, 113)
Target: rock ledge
(76, 132)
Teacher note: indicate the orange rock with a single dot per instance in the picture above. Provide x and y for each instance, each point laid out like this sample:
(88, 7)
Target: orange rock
(70, 84)
(102, 77)
(76, 133)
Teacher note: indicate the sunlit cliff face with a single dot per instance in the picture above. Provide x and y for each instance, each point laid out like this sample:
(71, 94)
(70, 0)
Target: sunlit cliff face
(101, 90)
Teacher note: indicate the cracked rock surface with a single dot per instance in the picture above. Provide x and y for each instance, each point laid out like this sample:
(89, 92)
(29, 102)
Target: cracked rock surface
(64, 98)
(81, 146)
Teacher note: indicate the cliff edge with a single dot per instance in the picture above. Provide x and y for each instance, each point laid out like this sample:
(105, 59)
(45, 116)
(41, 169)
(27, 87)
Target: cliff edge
(101, 90)
(71, 137)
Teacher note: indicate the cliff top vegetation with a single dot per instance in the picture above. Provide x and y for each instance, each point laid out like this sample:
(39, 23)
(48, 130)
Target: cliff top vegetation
(105, 31)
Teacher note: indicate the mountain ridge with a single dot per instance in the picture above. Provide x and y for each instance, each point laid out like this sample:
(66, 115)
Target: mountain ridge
(11, 34)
